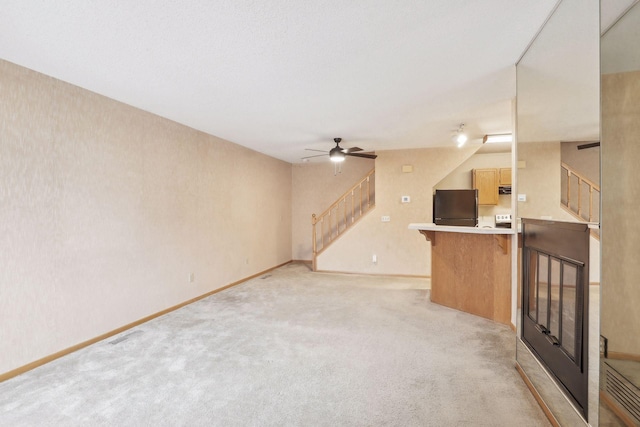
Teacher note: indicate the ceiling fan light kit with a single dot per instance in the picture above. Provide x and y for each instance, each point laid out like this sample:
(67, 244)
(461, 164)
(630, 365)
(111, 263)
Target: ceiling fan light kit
(339, 154)
(336, 154)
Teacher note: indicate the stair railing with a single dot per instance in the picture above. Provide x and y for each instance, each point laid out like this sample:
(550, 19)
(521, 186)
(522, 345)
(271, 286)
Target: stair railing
(576, 186)
(342, 214)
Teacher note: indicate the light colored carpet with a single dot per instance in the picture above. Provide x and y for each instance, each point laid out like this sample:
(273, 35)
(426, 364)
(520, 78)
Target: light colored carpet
(293, 348)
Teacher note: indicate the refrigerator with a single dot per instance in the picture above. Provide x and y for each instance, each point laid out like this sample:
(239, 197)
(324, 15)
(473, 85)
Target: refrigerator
(455, 207)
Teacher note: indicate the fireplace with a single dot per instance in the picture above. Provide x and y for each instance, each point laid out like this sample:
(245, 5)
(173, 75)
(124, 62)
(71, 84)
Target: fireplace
(555, 301)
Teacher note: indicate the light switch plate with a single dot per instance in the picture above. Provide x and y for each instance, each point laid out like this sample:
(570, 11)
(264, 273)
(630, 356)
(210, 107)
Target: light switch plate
(522, 197)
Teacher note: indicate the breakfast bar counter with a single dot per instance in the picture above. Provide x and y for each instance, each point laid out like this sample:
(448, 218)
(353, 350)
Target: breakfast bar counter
(471, 268)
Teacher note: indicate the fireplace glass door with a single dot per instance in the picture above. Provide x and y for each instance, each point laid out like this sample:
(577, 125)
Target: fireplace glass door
(555, 293)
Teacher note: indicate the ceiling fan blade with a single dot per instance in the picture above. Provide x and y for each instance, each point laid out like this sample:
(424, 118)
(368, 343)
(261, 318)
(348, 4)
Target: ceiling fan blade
(365, 156)
(589, 145)
(309, 157)
(351, 150)
(320, 151)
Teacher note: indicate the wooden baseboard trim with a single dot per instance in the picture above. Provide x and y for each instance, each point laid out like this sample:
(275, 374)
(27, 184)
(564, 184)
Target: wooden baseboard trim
(513, 327)
(408, 276)
(554, 422)
(29, 366)
(611, 404)
(623, 356)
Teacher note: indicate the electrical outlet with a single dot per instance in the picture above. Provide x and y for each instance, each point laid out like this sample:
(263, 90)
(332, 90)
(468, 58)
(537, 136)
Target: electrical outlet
(406, 199)
(192, 277)
(386, 219)
(246, 261)
(374, 259)
(522, 197)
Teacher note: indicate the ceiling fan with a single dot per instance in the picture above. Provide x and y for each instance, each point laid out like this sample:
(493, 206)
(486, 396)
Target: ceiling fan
(338, 154)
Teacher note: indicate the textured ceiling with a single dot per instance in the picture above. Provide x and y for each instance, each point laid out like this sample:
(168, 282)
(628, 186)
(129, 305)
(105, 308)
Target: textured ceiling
(285, 75)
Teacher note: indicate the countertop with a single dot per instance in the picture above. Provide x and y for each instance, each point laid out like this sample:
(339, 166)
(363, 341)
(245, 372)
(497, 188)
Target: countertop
(457, 229)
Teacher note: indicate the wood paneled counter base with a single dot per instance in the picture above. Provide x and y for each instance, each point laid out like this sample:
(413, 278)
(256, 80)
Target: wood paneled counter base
(471, 269)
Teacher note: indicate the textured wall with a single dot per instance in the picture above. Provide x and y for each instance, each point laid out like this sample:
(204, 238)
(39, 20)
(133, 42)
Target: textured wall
(461, 178)
(315, 188)
(620, 298)
(585, 162)
(399, 250)
(540, 181)
(105, 210)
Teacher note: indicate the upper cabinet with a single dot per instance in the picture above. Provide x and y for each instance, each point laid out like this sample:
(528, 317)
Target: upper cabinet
(505, 176)
(486, 182)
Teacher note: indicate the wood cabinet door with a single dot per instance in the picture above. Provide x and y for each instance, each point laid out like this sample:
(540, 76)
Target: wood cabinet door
(505, 176)
(486, 182)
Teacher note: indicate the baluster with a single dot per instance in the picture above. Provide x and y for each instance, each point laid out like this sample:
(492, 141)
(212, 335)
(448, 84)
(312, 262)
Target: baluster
(568, 188)
(345, 212)
(579, 197)
(353, 207)
(368, 195)
(314, 245)
(590, 203)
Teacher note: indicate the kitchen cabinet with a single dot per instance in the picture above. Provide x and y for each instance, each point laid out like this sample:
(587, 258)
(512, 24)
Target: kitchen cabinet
(486, 182)
(504, 176)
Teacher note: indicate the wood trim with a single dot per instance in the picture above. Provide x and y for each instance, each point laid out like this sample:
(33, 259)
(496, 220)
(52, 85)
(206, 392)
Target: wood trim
(623, 356)
(344, 231)
(503, 242)
(513, 327)
(429, 235)
(346, 193)
(408, 276)
(29, 366)
(580, 176)
(611, 404)
(552, 419)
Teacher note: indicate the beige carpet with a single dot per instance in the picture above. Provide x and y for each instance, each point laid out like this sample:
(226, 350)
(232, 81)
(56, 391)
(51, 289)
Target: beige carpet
(293, 348)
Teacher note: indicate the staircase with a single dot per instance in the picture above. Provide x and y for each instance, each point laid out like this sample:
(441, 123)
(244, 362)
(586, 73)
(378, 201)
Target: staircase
(342, 214)
(579, 196)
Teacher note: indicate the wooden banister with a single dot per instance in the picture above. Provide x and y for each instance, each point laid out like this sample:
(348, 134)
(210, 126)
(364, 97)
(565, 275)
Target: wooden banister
(578, 209)
(342, 214)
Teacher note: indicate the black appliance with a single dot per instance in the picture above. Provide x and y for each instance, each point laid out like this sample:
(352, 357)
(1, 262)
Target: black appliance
(504, 189)
(455, 207)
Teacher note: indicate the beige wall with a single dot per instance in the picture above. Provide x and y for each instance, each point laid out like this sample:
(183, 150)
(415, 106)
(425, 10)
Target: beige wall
(399, 250)
(585, 161)
(315, 188)
(461, 178)
(539, 180)
(105, 210)
(620, 316)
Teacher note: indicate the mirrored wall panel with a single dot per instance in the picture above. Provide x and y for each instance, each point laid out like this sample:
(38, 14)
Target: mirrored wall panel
(558, 153)
(620, 310)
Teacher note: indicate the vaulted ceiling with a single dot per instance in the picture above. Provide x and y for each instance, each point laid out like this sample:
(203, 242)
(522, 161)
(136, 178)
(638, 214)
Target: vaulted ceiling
(281, 76)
